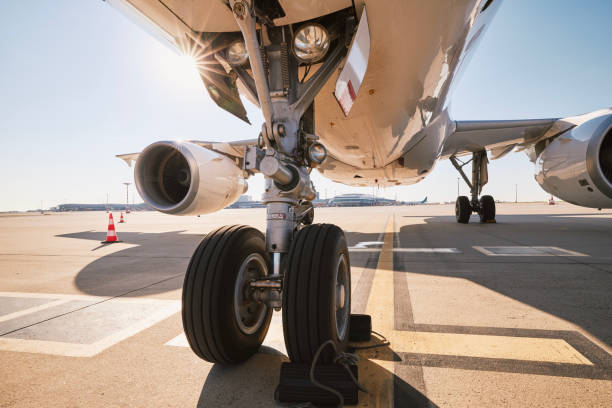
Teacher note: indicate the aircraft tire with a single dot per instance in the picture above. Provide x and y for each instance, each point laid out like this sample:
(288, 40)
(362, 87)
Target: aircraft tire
(222, 326)
(487, 209)
(317, 293)
(463, 209)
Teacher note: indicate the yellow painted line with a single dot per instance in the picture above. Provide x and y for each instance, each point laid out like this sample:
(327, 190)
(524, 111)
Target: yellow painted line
(486, 346)
(379, 382)
(378, 379)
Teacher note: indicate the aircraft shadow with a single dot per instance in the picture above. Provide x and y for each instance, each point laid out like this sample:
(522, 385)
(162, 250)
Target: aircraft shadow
(574, 289)
(139, 270)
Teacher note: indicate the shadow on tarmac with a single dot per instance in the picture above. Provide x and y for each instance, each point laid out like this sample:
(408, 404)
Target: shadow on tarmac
(143, 269)
(253, 383)
(571, 288)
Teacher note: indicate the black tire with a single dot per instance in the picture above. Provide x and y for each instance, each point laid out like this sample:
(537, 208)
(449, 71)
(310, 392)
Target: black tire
(487, 209)
(463, 209)
(209, 319)
(309, 295)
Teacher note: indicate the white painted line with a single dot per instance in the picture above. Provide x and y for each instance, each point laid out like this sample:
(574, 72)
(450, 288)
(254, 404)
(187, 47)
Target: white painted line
(83, 297)
(526, 251)
(411, 250)
(274, 339)
(429, 250)
(165, 309)
(33, 309)
(486, 346)
(52, 296)
(178, 341)
(367, 244)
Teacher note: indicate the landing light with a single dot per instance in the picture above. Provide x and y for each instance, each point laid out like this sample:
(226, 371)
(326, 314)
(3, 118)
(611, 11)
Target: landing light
(310, 43)
(317, 153)
(237, 54)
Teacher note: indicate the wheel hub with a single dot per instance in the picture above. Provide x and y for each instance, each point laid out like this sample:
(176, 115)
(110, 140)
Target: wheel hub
(248, 313)
(340, 297)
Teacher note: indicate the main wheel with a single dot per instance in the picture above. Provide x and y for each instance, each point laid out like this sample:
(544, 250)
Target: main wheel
(487, 209)
(463, 209)
(317, 293)
(221, 323)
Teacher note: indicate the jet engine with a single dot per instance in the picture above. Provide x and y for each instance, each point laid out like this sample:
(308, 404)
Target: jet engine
(183, 178)
(577, 165)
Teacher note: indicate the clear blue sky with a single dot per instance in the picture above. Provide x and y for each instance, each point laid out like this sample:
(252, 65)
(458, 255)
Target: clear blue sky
(80, 83)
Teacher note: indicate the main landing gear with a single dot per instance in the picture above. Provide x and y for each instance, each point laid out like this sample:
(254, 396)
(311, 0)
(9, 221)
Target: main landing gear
(237, 276)
(485, 206)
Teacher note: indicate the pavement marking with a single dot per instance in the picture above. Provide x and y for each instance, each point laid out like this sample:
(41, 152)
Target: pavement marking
(85, 350)
(274, 339)
(33, 309)
(526, 251)
(367, 244)
(164, 309)
(485, 346)
(178, 341)
(411, 250)
(380, 306)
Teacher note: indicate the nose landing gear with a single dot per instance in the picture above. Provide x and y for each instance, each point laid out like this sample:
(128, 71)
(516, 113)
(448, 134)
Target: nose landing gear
(236, 276)
(485, 206)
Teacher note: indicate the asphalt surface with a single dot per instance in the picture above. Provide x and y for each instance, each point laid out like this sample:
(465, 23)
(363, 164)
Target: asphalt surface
(517, 313)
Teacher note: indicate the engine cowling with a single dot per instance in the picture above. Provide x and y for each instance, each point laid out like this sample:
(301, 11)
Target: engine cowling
(577, 165)
(182, 178)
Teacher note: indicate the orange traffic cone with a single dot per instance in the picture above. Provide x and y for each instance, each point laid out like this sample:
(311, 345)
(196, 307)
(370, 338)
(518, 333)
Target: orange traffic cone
(111, 235)
(121, 220)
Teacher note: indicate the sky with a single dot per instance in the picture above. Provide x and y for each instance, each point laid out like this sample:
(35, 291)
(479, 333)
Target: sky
(80, 83)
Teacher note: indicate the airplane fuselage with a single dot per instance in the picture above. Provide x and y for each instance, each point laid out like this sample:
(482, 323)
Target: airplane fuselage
(398, 123)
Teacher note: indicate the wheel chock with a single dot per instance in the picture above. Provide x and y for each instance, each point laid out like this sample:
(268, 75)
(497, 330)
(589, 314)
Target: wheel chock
(295, 385)
(360, 328)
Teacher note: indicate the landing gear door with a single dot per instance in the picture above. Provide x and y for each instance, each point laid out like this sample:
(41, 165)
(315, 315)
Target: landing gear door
(349, 81)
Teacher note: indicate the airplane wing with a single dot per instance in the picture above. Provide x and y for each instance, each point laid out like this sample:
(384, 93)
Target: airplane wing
(503, 136)
(499, 137)
(233, 150)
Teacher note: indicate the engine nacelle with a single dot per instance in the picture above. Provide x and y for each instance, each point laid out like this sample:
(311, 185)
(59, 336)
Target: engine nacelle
(183, 178)
(577, 165)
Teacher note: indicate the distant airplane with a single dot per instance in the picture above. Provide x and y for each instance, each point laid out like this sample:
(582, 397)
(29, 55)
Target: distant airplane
(358, 90)
(423, 201)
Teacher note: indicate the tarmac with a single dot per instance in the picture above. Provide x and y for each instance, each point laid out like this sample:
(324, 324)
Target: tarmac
(512, 314)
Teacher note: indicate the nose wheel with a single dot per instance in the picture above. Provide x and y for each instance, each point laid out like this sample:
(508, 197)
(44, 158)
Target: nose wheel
(222, 323)
(317, 293)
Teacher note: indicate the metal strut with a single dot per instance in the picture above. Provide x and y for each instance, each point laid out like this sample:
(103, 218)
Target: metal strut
(281, 155)
(479, 175)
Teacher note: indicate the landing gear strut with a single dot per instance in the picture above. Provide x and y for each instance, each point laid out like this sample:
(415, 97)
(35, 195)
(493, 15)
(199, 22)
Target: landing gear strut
(237, 277)
(485, 206)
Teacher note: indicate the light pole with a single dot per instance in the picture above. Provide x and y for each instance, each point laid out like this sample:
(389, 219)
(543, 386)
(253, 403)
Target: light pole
(516, 193)
(127, 197)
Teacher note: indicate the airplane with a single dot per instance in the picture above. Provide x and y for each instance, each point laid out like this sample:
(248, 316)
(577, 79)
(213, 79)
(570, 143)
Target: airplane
(358, 90)
(423, 201)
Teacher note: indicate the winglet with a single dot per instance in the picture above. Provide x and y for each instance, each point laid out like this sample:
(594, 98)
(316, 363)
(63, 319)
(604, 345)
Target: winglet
(128, 158)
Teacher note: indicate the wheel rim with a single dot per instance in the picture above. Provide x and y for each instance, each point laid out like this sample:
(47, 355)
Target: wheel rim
(342, 294)
(249, 314)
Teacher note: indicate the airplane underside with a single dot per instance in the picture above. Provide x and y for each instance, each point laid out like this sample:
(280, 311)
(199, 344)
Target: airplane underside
(386, 125)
